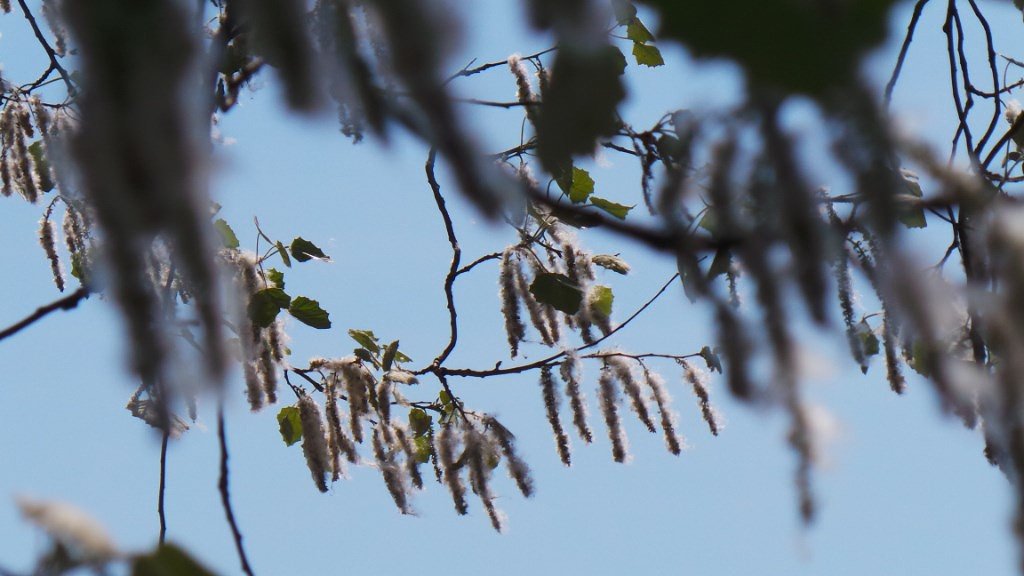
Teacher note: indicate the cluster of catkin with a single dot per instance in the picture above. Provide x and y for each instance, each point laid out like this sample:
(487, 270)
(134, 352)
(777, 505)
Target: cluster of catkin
(514, 291)
(619, 375)
(262, 349)
(23, 167)
(464, 447)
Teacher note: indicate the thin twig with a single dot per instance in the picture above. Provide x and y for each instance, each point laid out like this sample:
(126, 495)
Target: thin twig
(453, 270)
(467, 71)
(163, 484)
(66, 303)
(54, 63)
(496, 371)
(225, 495)
(903, 50)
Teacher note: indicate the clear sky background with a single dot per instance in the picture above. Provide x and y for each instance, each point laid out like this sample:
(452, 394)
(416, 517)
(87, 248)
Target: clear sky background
(903, 489)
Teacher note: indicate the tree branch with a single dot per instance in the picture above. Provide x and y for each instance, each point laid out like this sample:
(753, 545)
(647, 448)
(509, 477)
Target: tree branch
(453, 270)
(66, 303)
(54, 63)
(163, 484)
(225, 495)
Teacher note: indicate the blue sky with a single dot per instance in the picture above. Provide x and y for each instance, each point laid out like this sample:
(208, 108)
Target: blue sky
(904, 490)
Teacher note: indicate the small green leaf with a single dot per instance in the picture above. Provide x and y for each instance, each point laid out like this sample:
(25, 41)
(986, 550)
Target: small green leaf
(444, 397)
(265, 305)
(284, 254)
(309, 313)
(419, 421)
(647, 55)
(290, 424)
(42, 165)
(168, 560)
(613, 263)
(868, 339)
(366, 339)
(227, 235)
(401, 358)
(711, 359)
(389, 355)
(558, 291)
(601, 299)
(709, 221)
(618, 210)
(365, 355)
(638, 33)
(582, 185)
(423, 449)
(911, 215)
(303, 250)
(276, 278)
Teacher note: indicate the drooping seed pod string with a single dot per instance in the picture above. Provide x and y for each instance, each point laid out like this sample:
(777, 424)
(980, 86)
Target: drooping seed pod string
(551, 402)
(570, 372)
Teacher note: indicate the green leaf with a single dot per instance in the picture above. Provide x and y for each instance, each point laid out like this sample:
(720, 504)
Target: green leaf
(638, 33)
(647, 55)
(709, 221)
(582, 185)
(868, 339)
(401, 358)
(609, 262)
(711, 359)
(919, 359)
(168, 560)
(309, 313)
(284, 254)
(558, 291)
(419, 421)
(290, 424)
(265, 305)
(618, 210)
(601, 299)
(365, 355)
(303, 250)
(366, 339)
(276, 278)
(227, 235)
(389, 355)
(423, 449)
(444, 397)
(42, 165)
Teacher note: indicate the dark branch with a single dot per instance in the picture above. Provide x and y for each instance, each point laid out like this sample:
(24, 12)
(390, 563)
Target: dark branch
(453, 270)
(66, 303)
(163, 484)
(54, 63)
(903, 50)
(225, 495)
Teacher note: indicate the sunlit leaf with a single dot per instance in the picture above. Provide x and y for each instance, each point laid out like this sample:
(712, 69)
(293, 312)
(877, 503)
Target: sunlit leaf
(309, 313)
(290, 424)
(284, 254)
(276, 277)
(419, 421)
(227, 235)
(582, 185)
(601, 298)
(637, 32)
(615, 209)
(366, 339)
(647, 55)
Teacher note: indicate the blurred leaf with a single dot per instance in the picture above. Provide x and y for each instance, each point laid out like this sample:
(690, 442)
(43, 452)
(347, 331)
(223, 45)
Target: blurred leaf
(613, 263)
(168, 560)
(669, 147)
(423, 449)
(580, 104)
(911, 214)
(711, 359)
(290, 424)
(42, 165)
(401, 358)
(794, 45)
(558, 291)
(647, 55)
(366, 339)
(601, 299)
(303, 250)
(720, 265)
(309, 313)
(618, 210)
(638, 33)
(582, 185)
(227, 235)
(419, 421)
(365, 355)
(389, 355)
(625, 11)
